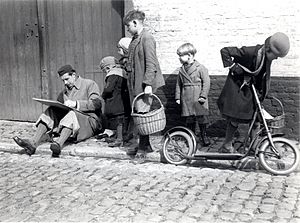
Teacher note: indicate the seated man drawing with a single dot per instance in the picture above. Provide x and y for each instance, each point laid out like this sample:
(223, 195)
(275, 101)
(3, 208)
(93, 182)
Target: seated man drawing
(79, 123)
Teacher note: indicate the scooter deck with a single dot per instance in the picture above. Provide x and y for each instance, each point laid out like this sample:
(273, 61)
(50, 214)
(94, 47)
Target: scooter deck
(218, 156)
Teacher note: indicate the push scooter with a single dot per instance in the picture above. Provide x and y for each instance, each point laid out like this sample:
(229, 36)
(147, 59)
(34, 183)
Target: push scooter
(276, 154)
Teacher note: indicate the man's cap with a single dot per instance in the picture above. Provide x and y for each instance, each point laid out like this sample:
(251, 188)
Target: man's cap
(280, 44)
(65, 69)
(106, 61)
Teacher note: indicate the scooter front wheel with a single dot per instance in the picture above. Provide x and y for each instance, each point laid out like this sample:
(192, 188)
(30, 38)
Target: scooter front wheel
(176, 146)
(283, 165)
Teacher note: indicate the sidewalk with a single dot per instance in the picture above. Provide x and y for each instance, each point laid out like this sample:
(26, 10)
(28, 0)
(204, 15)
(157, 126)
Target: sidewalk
(98, 148)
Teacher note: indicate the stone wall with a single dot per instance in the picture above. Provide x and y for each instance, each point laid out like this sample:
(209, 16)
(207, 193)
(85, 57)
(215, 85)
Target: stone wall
(213, 24)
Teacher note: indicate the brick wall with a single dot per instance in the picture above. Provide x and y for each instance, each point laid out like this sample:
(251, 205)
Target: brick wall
(213, 24)
(286, 90)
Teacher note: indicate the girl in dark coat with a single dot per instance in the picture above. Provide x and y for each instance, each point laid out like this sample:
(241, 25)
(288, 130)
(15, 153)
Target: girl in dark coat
(192, 89)
(114, 94)
(253, 63)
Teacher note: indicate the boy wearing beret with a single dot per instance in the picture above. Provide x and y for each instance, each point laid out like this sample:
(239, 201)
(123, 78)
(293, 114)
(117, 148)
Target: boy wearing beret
(252, 63)
(82, 121)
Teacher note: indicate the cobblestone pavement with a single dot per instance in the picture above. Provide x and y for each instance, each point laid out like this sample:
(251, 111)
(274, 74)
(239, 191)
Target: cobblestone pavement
(40, 188)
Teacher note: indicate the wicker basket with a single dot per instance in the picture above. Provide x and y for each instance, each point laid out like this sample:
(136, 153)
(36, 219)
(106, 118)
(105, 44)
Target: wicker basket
(277, 122)
(151, 122)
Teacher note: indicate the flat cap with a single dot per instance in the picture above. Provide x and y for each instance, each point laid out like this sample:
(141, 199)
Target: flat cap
(280, 44)
(65, 69)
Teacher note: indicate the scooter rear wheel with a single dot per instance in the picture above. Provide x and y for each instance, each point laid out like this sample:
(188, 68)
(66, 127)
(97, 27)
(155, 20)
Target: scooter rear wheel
(176, 146)
(286, 164)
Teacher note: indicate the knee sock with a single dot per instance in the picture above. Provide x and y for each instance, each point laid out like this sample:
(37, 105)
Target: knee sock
(41, 130)
(120, 132)
(64, 135)
(230, 131)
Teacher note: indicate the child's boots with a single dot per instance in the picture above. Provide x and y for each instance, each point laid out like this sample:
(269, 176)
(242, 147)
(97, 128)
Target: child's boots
(119, 140)
(204, 138)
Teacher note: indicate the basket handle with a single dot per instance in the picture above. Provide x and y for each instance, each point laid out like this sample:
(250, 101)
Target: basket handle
(278, 101)
(140, 94)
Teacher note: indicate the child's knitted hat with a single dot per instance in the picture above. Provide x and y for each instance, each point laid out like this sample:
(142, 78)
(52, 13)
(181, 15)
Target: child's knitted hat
(106, 61)
(124, 44)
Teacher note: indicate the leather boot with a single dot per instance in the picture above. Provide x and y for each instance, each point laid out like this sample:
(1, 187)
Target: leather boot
(204, 138)
(227, 146)
(144, 144)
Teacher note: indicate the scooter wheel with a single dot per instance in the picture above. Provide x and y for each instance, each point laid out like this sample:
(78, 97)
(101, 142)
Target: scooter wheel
(285, 164)
(177, 146)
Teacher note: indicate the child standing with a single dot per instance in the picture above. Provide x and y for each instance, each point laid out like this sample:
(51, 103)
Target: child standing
(192, 89)
(115, 86)
(144, 74)
(123, 46)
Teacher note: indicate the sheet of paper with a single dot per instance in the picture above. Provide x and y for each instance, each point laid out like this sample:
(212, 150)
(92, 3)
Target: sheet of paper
(52, 103)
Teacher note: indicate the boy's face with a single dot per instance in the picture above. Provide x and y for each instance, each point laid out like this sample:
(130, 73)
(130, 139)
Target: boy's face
(132, 27)
(106, 69)
(120, 51)
(186, 58)
(270, 55)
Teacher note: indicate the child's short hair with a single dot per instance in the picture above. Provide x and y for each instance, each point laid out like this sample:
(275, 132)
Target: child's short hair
(186, 48)
(132, 15)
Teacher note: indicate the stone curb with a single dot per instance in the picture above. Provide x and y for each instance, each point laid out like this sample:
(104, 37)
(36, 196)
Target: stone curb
(85, 151)
(99, 151)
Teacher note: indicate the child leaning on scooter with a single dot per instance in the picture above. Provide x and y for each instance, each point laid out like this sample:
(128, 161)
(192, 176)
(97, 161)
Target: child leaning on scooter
(192, 89)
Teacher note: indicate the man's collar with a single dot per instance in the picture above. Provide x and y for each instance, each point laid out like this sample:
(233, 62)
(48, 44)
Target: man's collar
(78, 82)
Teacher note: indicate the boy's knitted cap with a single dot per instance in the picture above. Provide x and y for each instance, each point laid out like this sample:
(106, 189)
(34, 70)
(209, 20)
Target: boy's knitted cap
(106, 61)
(65, 69)
(124, 43)
(280, 44)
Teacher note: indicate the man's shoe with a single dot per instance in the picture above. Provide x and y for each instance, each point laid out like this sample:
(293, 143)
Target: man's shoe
(56, 149)
(29, 149)
(132, 151)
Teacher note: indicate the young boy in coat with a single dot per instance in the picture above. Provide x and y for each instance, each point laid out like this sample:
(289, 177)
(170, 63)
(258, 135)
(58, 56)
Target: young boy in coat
(246, 64)
(192, 89)
(113, 94)
(144, 74)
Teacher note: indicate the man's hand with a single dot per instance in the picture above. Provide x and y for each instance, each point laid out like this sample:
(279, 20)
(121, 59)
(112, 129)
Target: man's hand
(202, 100)
(70, 103)
(236, 70)
(148, 90)
(178, 101)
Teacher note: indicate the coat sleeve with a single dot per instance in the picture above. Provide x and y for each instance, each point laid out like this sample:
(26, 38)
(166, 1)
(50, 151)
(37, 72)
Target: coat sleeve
(178, 88)
(93, 101)
(205, 82)
(149, 47)
(109, 87)
(231, 55)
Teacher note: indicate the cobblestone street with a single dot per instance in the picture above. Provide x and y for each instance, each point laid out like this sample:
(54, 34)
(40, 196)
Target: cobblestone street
(40, 188)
